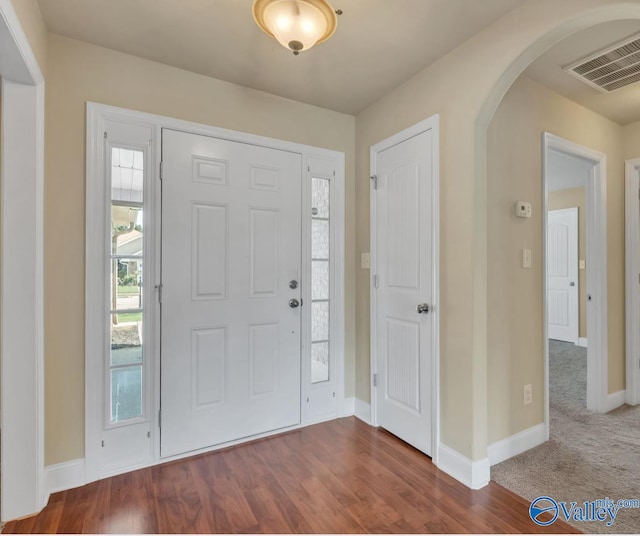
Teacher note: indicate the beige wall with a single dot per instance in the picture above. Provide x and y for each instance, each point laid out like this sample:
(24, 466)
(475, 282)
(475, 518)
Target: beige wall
(31, 21)
(570, 198)
(463, 88)
(632, 141)
(78, 73)
(515, 316)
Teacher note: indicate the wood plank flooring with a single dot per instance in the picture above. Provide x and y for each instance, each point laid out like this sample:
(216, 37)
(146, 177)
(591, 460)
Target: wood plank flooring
(337, 477)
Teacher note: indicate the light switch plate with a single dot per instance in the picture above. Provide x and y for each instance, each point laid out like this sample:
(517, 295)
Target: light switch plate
(526, 258)
(583, 264)
(365, 261)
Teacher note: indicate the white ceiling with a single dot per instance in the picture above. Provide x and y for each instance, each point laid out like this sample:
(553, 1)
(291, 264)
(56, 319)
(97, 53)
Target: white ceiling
(621, 106)
(378, 45)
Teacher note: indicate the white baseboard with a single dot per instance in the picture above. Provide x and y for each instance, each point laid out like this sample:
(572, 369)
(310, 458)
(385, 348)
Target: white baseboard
(63, 476)
(473, 474)
(615, 400)
(516, 444)
(363, 411)
(582, 341)
(349, 407)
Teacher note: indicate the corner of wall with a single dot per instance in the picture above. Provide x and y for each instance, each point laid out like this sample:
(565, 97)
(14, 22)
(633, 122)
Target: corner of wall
(475, 474)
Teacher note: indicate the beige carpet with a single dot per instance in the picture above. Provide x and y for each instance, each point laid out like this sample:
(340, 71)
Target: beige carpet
(590, 456)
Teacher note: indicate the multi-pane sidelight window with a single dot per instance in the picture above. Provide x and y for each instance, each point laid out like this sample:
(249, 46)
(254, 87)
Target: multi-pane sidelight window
(126, 299)
(320, 279)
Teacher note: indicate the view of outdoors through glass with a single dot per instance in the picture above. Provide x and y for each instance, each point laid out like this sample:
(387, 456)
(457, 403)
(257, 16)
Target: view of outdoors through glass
(126, 284)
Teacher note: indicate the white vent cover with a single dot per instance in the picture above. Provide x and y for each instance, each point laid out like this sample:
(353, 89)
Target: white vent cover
(610, 69)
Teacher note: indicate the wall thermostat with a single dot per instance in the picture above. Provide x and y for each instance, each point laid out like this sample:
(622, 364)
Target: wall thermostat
(523, 209)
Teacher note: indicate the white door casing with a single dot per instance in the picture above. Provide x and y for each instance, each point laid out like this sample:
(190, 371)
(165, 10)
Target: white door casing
(231, 241)
(562, 274)
(22, 298)
(317, 161)
(632, 253)
(404, 270)
(596, 286)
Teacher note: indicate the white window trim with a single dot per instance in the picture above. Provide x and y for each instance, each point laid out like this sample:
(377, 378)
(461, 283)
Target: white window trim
(96, 199)
(327, 166)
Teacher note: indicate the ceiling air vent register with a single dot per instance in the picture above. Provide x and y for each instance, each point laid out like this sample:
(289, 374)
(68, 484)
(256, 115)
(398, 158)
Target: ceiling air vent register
(613, 68)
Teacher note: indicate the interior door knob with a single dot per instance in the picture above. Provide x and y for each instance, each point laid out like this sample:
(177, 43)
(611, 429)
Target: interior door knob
(422, 308)
(294, 303)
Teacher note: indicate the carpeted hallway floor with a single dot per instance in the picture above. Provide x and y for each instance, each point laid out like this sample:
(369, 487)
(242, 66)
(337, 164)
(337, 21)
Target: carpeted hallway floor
(589, 456)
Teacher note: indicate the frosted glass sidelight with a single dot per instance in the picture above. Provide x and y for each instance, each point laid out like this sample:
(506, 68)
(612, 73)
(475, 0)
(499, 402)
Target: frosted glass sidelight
(320, 321)
(320, 280)
(320, 239)
(320, 198)
(319, 362)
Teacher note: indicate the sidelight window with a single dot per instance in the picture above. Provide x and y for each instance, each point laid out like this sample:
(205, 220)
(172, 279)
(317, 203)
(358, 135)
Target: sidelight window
(126, 288)
(320, 279)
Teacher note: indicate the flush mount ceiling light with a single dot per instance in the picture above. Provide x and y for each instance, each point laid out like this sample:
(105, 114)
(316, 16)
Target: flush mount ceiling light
(296, 24)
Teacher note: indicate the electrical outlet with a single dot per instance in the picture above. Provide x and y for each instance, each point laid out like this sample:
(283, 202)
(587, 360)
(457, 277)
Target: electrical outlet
(526, 258)
(528, 394)
(365, 261)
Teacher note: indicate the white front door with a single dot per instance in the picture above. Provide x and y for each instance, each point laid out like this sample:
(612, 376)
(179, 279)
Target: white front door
(562, 274)
(404, 227)
(231, 238)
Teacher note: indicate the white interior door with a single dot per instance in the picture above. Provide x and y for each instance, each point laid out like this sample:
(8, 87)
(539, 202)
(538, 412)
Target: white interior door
(562, 274)
(231, 215)
(404, 227)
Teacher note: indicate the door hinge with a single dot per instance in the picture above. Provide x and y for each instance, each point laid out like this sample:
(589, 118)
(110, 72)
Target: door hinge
(159, 289)
(375, 380)
(374, 179)
(161, 170)
(105, 135)
(375, 281)
(102, 443)
(160, 418)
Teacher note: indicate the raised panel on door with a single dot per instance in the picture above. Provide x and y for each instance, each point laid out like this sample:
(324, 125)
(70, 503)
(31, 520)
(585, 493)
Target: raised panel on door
(209, 357)
(231, 244)
(210, 236)
(404, 271)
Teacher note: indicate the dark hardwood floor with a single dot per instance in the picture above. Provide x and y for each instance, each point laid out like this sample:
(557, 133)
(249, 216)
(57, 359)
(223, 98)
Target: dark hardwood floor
(338, 477)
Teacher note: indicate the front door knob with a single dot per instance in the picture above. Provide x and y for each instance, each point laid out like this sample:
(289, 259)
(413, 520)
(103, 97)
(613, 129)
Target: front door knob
(422, 308)
(294, 303)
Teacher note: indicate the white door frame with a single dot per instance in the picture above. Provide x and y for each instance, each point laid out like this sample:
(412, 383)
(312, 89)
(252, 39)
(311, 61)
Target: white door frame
(94, 328)
(596, 213)
(431, 123)
(574, 307)
(22, 272)
(632, 293)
